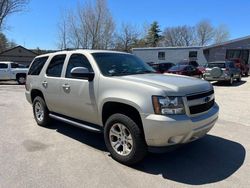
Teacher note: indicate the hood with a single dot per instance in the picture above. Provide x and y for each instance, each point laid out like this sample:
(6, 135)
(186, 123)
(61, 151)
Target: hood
(177, 85)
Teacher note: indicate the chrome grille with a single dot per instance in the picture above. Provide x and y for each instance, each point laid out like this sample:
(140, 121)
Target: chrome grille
(201, 102)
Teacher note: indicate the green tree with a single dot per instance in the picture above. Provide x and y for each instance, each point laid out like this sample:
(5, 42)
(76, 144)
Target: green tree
(153, 37)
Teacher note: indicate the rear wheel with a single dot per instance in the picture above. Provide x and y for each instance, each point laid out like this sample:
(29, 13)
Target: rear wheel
(21, 79)
(239, 79)
(231, 81)
(41, 112)
(124, 139)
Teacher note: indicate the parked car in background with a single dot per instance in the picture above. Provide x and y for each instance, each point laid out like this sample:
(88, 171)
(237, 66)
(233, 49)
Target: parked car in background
(13, 71)
(185, 62)
(162, 67)
(222, 71)
(187, 70)
(241, 64)
(201, 69)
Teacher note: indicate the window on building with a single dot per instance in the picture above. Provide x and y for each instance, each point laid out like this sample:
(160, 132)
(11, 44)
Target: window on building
(3, 66)
(37, 65)
(55, 67)
(77, 60)
(161, 55)
(242, 54)
(193, 54)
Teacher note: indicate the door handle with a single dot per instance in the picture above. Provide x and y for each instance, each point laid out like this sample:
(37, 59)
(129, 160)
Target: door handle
(66, 87)
(45, 84)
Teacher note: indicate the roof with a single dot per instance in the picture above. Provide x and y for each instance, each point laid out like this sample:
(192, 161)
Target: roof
(227, 42)
(18, 47)
(168, 48)
(82, 51)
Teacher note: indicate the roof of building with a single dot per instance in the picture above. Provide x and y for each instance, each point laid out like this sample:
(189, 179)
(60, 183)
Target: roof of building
(226, 42)
(16, 48)
(169, 48)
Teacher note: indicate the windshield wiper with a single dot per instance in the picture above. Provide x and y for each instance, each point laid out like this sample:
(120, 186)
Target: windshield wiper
(145, 72)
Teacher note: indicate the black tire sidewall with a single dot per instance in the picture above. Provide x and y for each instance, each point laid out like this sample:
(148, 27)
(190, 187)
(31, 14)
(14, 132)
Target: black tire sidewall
(139, 146)
(46, 119)
(19, 78)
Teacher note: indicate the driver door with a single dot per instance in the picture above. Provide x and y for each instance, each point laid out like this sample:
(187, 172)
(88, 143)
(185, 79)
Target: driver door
(78, 94)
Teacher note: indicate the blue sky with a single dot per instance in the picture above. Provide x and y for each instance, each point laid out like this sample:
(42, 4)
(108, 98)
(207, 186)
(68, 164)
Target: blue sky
(37, 25)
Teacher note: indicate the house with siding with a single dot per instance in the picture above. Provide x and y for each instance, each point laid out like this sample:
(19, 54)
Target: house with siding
(18, 54)
(237, 48)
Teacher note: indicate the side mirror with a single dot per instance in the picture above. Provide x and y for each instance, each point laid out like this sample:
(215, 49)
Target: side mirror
(82, 73)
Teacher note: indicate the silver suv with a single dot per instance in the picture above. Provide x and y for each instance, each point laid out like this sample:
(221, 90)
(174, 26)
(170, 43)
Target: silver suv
(222, 71)
(118, 94)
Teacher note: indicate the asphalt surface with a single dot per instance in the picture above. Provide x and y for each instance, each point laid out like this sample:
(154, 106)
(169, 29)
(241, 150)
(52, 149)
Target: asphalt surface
(66, 156)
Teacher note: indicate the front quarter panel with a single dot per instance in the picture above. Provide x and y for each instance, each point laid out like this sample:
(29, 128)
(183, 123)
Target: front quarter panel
(134, 94)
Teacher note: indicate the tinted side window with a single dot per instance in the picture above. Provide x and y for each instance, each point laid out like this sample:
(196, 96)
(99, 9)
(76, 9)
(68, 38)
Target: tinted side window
(3, 66)
(37, 66)
(77, 60)
(14, 65)
(231, 65)
(55, 67)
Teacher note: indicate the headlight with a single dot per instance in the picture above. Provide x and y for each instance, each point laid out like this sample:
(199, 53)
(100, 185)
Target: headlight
(168, 105)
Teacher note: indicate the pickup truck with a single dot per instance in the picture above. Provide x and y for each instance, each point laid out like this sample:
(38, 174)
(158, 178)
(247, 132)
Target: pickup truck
(13, 71)
(117, 94)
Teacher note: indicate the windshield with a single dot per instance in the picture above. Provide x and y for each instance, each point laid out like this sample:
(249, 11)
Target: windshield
(177, 68)
(220, 65)
(115, 64)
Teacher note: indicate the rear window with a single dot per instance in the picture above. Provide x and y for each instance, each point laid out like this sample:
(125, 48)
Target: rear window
(37, 65)
(177, 68)
(220, 65)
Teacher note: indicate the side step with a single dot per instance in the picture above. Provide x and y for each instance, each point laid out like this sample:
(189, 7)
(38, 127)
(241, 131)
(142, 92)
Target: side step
(75, 123)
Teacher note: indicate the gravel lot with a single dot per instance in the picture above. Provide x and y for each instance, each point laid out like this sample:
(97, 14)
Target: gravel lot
(65, 156)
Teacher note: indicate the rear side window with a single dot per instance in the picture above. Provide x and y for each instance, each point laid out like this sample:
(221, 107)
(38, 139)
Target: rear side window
(55, 67)
(3, 66)
(77, 60)
(231, 65)
(37, 65)
(220, 65)
(14, 65)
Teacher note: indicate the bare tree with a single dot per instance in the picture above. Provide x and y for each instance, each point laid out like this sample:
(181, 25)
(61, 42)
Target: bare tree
(221, 34)
(62, 33)
(92, 26)
(178, 36)
(205, 32)
(127, 38)
(8, 7)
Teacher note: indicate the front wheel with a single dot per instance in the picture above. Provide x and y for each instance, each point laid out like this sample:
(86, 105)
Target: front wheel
(124, 139)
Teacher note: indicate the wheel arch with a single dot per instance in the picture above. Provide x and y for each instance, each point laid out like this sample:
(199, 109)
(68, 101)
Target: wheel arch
(112, 107)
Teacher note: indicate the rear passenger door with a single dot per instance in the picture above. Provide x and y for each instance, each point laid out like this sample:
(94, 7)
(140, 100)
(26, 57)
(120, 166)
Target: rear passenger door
(51, 83)
(78, 96)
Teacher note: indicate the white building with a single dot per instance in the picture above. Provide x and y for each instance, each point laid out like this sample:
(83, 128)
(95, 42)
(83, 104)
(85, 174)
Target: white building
(170, 54)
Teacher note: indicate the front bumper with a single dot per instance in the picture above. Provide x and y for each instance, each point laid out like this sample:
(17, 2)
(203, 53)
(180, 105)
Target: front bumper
(163, 131)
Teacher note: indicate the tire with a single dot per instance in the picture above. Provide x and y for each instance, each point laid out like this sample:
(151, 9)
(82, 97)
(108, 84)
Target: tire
(21, 79)
(230, 82)
(119, 131)
(239, 79)
(41, 112)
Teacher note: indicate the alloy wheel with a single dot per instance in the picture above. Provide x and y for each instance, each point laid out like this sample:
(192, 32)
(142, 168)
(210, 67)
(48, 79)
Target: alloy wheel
(121, 139)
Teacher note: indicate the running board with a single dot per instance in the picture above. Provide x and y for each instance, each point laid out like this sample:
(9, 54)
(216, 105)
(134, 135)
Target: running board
(74, 123)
